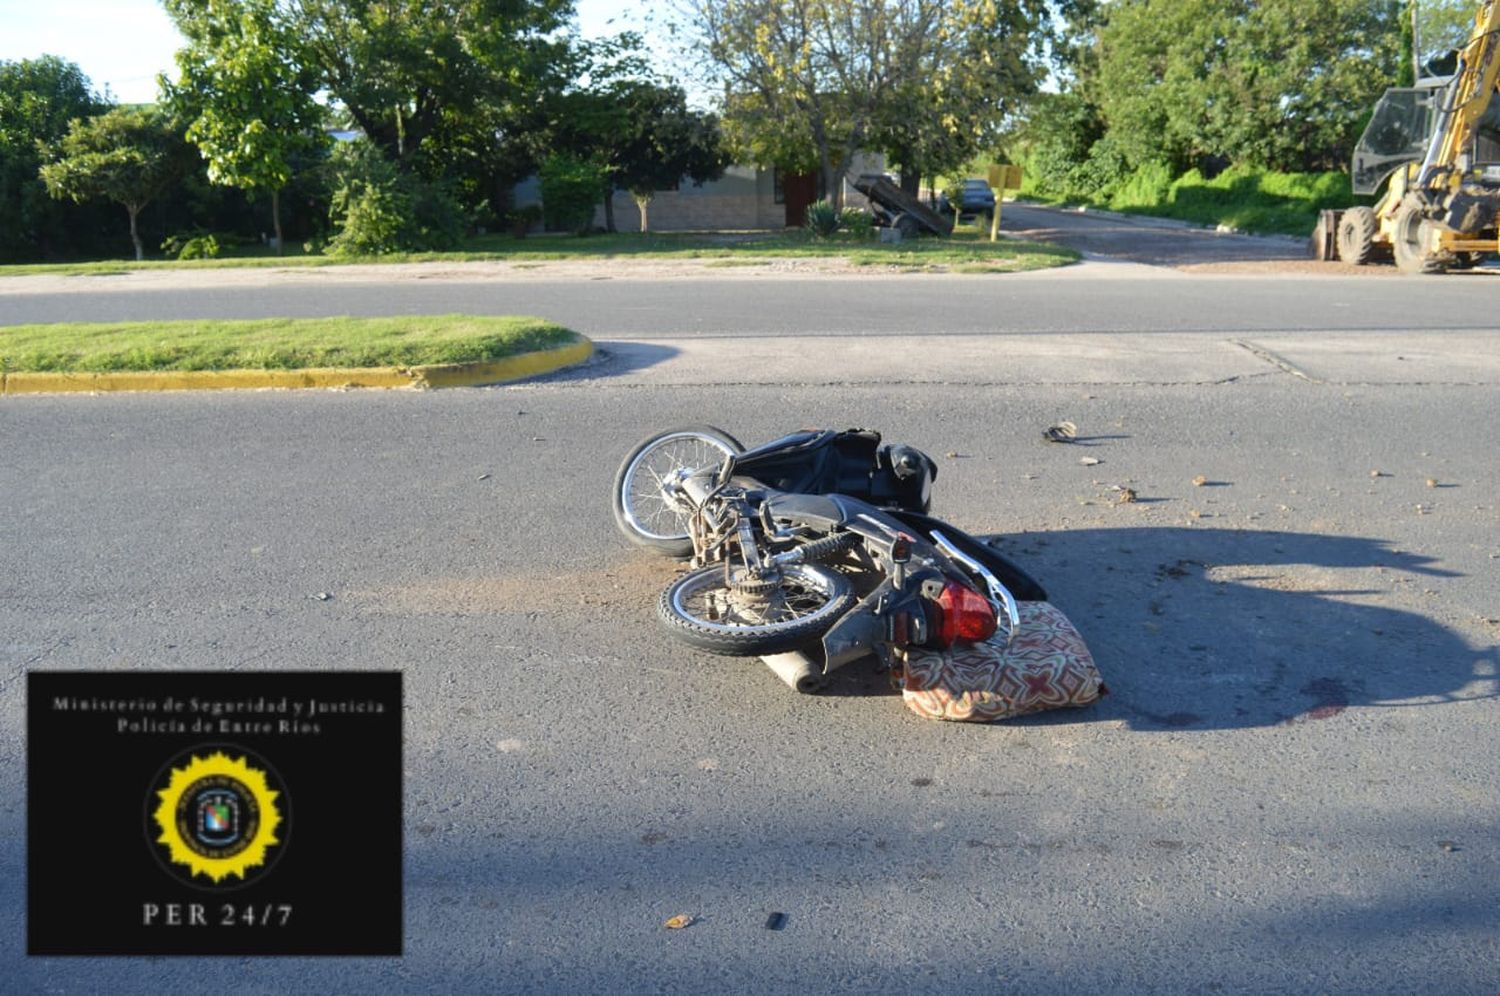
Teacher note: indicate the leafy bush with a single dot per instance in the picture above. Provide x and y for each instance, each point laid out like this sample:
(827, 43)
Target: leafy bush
(368, 207)
(378, 210)
(859, 223)
(953, 193)
(822, 219)
(571, 189)
(522, 218)
(1148, 187)
(437, 217)
(191, 247)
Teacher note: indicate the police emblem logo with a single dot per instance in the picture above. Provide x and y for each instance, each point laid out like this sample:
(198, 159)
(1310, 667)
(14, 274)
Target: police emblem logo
(217, 817)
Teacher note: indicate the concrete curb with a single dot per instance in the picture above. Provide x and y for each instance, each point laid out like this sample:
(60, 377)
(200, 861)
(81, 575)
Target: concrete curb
(447, 375)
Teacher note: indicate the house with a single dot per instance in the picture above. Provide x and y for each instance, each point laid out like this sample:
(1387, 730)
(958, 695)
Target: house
(745, 197)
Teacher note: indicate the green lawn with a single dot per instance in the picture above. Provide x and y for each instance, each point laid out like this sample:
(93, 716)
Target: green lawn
(272, 343)
(967, 250)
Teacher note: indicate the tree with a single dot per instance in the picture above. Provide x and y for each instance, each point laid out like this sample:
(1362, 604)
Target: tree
(251, 109)
(664, 143)
(405, 69)
(640, 132)
(127, 155)
(38, 97)
(1279, 84)
(814, 81)
(983, 59)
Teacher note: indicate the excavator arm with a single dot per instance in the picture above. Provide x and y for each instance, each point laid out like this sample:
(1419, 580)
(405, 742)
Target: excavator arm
(1466, 101)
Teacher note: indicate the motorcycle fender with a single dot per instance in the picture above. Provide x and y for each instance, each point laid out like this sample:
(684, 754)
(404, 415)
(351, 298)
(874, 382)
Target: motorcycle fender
(857, 633)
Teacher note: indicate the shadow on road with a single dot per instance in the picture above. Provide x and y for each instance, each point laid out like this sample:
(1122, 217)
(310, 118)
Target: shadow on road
(1221, 629)
(611, 359)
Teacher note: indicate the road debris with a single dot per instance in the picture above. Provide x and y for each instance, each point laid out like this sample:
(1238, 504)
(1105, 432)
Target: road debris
(484, 477)
(1432, 482)
(1379, 473)
(776, 921)
(323, 596)
(1090, 461)
(1062, 432)
(1449, 846)
(1124, 495)
(1199, 481)
(679, 921)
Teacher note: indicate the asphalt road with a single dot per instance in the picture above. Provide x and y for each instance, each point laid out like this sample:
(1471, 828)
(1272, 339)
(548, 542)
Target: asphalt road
(1102, 297)
(1136, 239)
(1292, 786)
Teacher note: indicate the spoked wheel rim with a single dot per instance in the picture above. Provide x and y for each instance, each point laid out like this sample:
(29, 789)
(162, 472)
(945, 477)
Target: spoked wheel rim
(802, 596)
(644, 487)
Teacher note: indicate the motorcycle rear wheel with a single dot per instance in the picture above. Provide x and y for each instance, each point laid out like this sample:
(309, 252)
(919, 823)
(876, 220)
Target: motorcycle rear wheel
(642, 511)
(701, 608)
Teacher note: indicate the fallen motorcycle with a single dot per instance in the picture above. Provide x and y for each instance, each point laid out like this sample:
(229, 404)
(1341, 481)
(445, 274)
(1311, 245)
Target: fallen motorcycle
(819, 537)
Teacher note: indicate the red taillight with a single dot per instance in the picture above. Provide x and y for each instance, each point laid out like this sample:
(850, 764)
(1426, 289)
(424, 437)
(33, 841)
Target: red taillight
(964, 614)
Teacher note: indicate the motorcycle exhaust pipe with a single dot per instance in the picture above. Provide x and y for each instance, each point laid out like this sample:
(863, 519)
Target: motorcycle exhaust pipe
(798, 671)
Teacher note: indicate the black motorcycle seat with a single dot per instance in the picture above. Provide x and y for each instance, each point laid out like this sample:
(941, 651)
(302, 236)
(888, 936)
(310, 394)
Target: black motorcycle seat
(823, 512)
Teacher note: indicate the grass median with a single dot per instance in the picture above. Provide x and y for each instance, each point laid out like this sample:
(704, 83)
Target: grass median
(968, 250)
(273, 343)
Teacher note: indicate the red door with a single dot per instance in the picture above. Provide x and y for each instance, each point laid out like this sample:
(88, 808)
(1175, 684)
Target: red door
(798, 190)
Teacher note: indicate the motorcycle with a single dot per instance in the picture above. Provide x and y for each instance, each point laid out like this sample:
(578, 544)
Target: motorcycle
(818, 537)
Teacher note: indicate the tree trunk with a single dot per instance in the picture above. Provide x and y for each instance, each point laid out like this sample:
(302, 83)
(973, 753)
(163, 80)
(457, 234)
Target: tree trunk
(609, 209)
(276, 217)
(911, 182)
(135, 236)
(827, 188)
(641, 203)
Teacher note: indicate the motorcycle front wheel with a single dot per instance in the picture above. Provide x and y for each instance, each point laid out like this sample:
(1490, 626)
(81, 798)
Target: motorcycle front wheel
(704, 609)
(644, 511)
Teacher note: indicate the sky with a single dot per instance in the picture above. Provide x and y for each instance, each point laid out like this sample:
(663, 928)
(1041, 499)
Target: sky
(124, 44)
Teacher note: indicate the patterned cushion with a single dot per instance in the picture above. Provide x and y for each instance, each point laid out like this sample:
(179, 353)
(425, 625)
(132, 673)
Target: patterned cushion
(1046, 667)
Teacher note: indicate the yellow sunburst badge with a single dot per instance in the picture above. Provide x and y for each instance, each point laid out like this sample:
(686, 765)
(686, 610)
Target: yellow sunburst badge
(218, 817)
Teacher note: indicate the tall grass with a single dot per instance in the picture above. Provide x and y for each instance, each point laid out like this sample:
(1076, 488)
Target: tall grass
(1241, 197)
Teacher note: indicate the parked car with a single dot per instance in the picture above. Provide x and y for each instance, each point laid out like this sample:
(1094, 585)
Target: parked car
(977, 199)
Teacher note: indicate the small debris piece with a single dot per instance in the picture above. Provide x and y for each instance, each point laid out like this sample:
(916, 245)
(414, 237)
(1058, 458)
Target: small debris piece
(776, 921)
(1449, 846)
(1126, 496)
(1379, 473)
(955, 455)
(1199, 481)
(484, 477)
(323, 596)
(1431, 482)
(679, 921)
(1062, 432)
(537, 439)
(1090, 461)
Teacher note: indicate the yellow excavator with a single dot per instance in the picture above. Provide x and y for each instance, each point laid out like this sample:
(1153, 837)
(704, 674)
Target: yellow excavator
(1436, 147)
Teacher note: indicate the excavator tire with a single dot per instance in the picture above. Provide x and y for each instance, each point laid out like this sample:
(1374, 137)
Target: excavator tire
(1357, 228)
(1409, 242)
